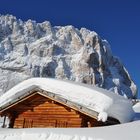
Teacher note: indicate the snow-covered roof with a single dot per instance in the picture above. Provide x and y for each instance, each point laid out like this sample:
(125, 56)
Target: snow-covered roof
(102, 101)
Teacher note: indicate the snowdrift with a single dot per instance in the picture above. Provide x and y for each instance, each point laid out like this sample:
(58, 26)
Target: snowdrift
(128, 131)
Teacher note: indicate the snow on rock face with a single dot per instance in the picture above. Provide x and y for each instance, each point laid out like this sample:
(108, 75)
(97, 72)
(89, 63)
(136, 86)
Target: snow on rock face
(30, 49)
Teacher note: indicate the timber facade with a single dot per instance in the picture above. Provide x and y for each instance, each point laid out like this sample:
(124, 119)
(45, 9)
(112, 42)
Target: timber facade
(41, 109)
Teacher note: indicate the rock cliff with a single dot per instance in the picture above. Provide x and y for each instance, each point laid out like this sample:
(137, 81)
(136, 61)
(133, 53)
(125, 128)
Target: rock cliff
(30, 49)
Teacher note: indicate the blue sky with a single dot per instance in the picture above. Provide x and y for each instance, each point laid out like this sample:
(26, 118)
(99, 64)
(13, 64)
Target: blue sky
(118, 21)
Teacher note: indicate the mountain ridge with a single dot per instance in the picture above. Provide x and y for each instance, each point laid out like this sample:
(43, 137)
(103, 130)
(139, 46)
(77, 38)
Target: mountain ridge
(30, 49)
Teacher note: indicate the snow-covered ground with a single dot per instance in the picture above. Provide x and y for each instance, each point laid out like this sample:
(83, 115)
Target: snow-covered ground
(128, 131)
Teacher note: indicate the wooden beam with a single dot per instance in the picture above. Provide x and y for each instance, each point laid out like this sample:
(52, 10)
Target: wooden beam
(17, 102)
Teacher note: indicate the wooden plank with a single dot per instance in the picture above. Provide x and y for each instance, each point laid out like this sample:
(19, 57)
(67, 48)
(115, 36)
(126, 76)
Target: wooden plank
(48, 121)
(39, 105)
(43, 107)
(52, 109)
(50, 117)
(44, 119)
(49, 112)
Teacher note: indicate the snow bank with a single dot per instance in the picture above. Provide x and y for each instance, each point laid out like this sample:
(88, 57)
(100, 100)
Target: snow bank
(128, 131)
(136, 108)
(40, 136)
(104, 102)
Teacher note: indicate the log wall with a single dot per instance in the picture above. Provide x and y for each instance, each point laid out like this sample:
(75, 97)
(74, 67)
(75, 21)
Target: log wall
(39, 111)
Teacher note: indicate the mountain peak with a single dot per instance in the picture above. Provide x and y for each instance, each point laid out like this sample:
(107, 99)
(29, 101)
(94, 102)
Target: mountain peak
(31, 49)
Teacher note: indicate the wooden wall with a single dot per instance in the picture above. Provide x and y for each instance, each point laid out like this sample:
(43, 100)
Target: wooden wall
(39, 111)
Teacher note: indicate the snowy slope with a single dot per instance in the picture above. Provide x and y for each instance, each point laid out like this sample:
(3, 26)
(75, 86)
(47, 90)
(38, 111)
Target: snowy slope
(96, 99)
(30, 49)
(129, 131)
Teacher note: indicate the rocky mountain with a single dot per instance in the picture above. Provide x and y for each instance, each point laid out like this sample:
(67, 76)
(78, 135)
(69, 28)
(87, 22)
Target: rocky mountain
(30, 49)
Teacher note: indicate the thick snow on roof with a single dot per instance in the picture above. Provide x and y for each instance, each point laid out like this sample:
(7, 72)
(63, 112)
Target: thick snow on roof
(104, 102)
(128, 131)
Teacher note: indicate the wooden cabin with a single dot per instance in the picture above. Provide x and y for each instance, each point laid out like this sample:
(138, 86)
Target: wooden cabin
(40, 109)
